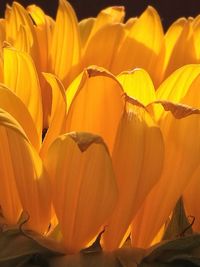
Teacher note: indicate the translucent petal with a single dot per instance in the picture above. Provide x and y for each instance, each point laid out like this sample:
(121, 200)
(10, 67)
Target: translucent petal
(142, 45)
(24, 182)
(13, 105)
(137, 160)
(103, 46)
(138, 84)
(181, 159)
(97, 105)
(21, 77)
(66, 47)
(83, 178)
(58, 112)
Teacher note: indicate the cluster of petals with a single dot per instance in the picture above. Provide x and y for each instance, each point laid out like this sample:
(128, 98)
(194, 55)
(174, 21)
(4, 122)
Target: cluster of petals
(99, 124)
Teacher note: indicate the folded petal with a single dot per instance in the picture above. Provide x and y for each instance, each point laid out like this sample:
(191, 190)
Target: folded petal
(21, 77)
(180, 127)
(58, 112)
(83, 184)
(97, 105)
(137, 160)
(66, 46)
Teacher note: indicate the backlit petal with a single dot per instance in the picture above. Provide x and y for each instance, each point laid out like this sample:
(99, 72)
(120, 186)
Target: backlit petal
(66, 47)
(85, 27)
(137, 159)
(21, 77)
(13, 105)
(103, 46)
(138, 84)
(181, 159)
(58, 112)
(180, 46)
(142, 45)
(24, 182)
(97, 105)
(83, 184)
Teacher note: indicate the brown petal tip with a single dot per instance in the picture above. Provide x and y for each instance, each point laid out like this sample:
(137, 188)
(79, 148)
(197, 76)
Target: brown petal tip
(84, 140)
(179, 111)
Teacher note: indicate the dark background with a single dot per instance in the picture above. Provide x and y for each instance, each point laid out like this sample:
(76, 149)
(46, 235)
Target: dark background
(169, 10)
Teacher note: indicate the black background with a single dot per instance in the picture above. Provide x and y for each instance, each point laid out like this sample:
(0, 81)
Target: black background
(169, 10)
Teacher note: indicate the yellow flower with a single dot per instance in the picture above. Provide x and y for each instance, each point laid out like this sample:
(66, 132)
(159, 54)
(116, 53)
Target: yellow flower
(99, 123)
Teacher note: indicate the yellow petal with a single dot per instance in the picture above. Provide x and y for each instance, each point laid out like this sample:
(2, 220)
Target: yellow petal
(16, 18)
(179, 45)
(24, 182)
(2, 35)
(43, 32)
(180, 87)
(82, 177)
(85, 27)
(137, 160)
(21, 77)
(181, 159)
(138, 84)
(109, 15)
(13, 105)
(58, 112)
(129, 24)
(97, 105)
(103, 46)
(66, 47)
(142, 45)
(171, 38)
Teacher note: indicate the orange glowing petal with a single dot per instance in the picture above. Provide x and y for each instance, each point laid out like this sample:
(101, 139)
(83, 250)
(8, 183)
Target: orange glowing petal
(181, 159)
(65, 52)
(58, 112)
(13, 105)
(24, 182)
(142, 45)
(21, 77)
(103, 46)
(138, 84)
(180, 87)
(97, 105)
(180, 46)
(137, 159)
(85, 28)
(83, 178)
(20, 31)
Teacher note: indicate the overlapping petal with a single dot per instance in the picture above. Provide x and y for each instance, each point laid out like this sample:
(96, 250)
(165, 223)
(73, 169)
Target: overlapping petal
(97, 105)
(181, 160)
(137, 159)
(66, 47)
(24, 181)
(82, 176)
